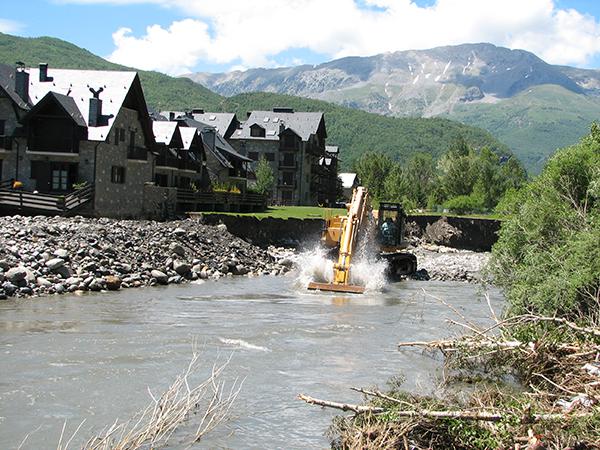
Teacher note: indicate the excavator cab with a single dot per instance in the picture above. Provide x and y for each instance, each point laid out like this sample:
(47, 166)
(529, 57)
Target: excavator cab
(390, 226)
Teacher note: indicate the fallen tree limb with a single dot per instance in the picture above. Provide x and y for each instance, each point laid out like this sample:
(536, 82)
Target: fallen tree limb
(473, 344)
(429, 414)
(358, 409)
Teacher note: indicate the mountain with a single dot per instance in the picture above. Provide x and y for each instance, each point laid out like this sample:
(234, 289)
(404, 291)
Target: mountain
(353, 130)
(533, 106)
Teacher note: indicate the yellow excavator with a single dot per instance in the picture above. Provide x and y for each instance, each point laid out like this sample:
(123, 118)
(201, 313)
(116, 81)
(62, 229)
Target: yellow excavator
(344, 232)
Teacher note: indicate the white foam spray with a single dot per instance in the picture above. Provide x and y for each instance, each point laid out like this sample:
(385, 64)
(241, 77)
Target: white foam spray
(366, 270)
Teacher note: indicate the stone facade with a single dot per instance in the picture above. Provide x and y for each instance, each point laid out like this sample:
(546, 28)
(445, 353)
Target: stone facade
(292, 170)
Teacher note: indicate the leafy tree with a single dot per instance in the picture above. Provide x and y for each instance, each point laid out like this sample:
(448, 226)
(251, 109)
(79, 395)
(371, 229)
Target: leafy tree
(546, 256)
(265, 179)
(397, 186)
(372, 169)
(420, 174)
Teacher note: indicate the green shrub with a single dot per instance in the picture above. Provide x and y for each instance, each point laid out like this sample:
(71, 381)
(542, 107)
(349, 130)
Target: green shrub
(546, 258)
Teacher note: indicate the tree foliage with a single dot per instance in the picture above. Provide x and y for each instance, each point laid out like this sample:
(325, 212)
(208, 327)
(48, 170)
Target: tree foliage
(463, 180)
(546, 258)
(265, 179)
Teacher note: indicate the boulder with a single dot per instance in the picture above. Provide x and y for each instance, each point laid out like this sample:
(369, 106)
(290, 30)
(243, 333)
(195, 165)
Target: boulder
(113, 282)
(176, 248)
(181, 268)
(159, 276)
(55, 263)
(61, 253)
(16, 274)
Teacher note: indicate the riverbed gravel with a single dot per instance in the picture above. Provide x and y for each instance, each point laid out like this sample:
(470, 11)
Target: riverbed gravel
(55, 255)
(449, 264)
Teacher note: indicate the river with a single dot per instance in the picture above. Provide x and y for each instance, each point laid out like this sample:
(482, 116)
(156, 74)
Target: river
(68, 358)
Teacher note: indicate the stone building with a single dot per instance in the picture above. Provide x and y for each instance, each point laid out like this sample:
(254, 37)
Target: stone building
(293, 143)
(181, 157)
(224, 165)
(63, 129)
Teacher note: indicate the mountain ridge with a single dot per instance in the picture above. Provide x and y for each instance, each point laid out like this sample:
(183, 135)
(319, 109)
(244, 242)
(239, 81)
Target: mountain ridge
(457, 82)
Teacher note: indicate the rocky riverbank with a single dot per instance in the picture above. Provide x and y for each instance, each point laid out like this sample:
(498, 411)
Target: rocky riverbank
(48, 255)
(450, 264)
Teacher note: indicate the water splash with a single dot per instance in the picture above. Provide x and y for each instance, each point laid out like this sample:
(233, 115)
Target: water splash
(366, 270)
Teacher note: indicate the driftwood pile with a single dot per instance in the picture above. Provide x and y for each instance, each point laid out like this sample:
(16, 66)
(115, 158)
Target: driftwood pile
(555, 403)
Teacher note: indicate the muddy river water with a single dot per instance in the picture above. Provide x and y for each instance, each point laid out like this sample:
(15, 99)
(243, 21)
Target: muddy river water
(93, 357)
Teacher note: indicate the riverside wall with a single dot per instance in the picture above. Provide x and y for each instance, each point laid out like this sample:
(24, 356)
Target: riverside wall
(456, 232)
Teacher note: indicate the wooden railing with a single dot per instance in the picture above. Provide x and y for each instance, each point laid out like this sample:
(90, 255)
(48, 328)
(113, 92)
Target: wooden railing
(189, 197)
(44, 203)
(7, 184)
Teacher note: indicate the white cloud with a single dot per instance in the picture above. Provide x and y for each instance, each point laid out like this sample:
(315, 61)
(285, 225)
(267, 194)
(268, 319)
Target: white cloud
(9, 26)
(254, 33)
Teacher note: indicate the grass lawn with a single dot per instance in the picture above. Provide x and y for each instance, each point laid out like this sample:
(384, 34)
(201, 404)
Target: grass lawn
(293, 212)
(316, 212)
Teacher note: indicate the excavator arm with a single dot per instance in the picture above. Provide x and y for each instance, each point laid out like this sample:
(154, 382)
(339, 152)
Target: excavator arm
(345, 231)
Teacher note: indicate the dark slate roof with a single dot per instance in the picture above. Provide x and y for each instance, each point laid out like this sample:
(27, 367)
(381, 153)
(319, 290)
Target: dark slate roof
(220, 142)
(221, 121)
(69, 105)
(65, 102)
(304, 124)
(7, 83)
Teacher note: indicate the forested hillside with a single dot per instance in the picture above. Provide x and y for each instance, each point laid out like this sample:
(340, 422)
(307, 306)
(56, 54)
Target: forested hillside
(162, 91)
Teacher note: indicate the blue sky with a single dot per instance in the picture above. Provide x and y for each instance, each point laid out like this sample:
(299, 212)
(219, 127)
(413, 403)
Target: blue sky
(206, 35)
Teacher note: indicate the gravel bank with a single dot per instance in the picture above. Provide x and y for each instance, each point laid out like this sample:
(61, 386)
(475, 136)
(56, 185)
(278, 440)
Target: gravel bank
(55, 255)
(450, 264)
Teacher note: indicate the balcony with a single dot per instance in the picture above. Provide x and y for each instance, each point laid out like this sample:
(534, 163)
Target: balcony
(186, 164)
(287, 164)
(291, 184)
(238, 173)
(137, 153)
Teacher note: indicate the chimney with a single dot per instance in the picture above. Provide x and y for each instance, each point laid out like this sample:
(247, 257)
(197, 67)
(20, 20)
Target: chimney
(197, 111)
(95, 117)
(171, 116)
(189, 114)
(208, 137)
(22, 82)
(44, 73)
(248, 114)
(283, 110)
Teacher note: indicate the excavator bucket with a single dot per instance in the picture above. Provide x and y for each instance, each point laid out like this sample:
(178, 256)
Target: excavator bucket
(332, 287)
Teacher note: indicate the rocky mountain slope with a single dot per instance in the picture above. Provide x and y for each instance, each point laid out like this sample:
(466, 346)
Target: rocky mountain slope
(479, 84)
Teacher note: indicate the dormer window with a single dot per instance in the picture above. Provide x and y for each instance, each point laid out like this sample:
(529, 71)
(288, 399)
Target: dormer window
(257, 131)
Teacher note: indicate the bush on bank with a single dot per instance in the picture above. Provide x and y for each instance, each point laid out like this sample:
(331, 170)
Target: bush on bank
(547, 256)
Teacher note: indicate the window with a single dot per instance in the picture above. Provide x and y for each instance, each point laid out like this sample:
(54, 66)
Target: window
(253, 156)
(288, 178)
(290, 141)
(2, 127)
(59, 179)
(117, 174)
(131, 139)
(257, 131)
(117, 133)
(270, 156)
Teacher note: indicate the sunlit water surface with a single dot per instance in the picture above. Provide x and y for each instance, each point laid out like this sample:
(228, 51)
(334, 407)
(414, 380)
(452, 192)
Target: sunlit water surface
(93, 357)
